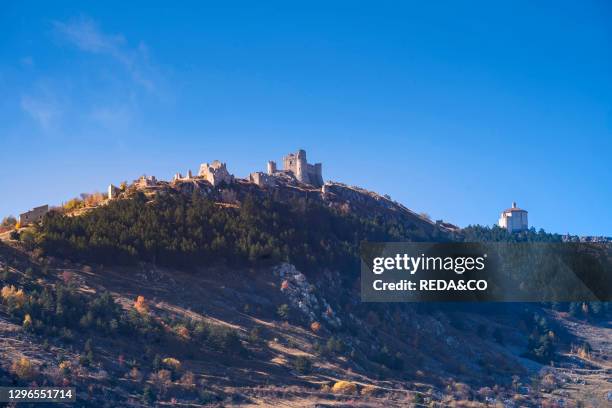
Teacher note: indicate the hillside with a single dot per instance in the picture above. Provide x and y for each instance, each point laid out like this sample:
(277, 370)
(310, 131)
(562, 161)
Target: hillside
(184, 294)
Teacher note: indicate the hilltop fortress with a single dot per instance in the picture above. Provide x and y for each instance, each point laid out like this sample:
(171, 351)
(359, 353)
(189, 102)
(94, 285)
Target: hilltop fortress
(296, 164)
(297, 179)
(296, 170)
(295, 167)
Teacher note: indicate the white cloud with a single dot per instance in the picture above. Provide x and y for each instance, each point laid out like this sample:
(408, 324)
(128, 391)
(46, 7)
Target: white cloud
(67, 104)
(85, 34)
(43, 110)
(112, 118)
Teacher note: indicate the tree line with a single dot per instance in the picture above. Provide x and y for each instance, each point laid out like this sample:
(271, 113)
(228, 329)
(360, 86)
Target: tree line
(179, 230)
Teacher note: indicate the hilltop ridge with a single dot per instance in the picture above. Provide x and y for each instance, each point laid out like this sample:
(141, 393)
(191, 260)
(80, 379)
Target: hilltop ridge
(218, 290)
(183, 222)
(298, 178)
(333, 194)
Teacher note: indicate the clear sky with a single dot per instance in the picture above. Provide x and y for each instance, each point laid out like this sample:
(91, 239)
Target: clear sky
(452, 108)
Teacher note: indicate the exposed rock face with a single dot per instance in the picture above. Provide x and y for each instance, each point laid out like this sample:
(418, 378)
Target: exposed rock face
(302, 296)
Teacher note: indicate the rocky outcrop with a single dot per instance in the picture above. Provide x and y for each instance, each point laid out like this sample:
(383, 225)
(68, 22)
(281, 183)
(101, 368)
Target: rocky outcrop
(302, 295)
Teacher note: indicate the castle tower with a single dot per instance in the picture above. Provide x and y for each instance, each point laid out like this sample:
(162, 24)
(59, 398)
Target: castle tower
(300, 167)
(112, 191)
(289, 162)
(302, 171)
(271, 167)
(316, 178)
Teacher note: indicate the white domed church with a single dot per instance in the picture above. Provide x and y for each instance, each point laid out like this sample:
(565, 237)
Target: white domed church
(514, 219)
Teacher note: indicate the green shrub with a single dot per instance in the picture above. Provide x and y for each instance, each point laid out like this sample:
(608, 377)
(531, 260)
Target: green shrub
(283, 311)
(302, 365)
(148, 395)
(255, 335)
(225, 339)
(335, 345)
(208, 397)
(389, 360)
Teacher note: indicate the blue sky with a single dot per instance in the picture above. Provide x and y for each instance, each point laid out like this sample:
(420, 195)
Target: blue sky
(455, 109)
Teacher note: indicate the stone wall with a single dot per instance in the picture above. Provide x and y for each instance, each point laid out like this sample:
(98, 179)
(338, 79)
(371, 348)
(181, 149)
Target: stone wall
(271, 167)
(262, 179)
(303, 171)
(112, 191)
(34, 215)
(215, 173)
(179, 176)
(146, 181)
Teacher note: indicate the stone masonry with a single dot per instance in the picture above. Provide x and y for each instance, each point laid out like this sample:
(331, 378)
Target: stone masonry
(298, 166)
(215, 173)
(34, 215)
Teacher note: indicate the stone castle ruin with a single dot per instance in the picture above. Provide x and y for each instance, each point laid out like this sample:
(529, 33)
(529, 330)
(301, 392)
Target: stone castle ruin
(295, 169)
(294, 165)
(215, 173)
(262, 179)
(179, 176)
(113, 191)
(36, 214)
(146, 181)
(303, 171)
